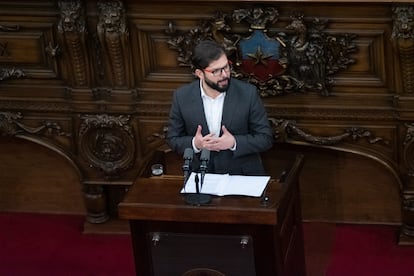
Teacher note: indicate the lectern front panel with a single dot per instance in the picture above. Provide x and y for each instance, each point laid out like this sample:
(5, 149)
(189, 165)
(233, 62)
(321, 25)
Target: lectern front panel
(195, 254)
(232, 235)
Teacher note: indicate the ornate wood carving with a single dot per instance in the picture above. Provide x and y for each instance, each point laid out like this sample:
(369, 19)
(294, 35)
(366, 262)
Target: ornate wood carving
(408, 152)
(403, 34)
(407, 228)
(113, 36)
(73, 32)
(303, 60)
(10, 125)
(96, 200)
(8, 28)
(107, 142)
(287, 131)
(88, 70)
(7, 73)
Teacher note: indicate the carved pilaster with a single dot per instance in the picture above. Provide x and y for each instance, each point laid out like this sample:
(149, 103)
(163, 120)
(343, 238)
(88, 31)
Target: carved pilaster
(408, 150)
(73, 33)
(407, 229)
(114, 39)
(403, 35)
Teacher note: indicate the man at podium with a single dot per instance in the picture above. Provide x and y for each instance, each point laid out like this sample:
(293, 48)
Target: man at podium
(220, 114)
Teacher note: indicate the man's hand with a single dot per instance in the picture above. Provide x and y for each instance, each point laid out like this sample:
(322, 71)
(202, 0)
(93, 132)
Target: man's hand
(212, 142)
(203, 142)
(225, 141)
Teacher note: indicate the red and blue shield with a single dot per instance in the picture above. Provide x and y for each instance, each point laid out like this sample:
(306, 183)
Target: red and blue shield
(260, 56)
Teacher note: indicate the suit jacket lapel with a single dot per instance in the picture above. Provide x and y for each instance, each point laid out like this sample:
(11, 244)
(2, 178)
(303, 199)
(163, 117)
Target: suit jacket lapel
(229, 107)
(198, 109)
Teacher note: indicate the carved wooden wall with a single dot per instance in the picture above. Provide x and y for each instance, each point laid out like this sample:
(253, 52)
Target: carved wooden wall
(92, 81)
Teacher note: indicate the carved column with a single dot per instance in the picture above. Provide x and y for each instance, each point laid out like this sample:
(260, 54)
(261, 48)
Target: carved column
(96, 203)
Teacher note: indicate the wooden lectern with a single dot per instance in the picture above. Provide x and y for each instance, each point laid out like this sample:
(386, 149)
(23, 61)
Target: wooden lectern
(232, 235)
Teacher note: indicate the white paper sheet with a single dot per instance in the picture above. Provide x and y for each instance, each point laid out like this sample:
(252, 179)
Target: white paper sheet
(225, 184)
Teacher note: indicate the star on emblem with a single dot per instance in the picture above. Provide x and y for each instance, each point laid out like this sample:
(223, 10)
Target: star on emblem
(259, 56)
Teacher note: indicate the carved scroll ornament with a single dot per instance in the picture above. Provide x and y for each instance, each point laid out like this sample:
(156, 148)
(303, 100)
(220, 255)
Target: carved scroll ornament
(10, 125)
(6, 74)
(302, 59)
(287, 131)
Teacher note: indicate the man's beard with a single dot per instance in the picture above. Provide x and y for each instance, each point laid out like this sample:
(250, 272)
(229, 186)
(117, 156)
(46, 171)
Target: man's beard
(215, 86)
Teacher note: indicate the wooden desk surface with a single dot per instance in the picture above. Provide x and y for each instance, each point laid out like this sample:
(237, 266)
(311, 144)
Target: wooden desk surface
(158, 198)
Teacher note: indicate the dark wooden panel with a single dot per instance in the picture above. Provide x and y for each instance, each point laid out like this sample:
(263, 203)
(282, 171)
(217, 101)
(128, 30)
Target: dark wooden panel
(118, 78)
(35, 179)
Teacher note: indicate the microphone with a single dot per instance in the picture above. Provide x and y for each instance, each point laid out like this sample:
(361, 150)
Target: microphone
(204, 158)
(198, 198)
(188, 158)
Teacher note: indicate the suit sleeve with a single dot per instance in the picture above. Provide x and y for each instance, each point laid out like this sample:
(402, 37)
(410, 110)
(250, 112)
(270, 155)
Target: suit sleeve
(177, 136)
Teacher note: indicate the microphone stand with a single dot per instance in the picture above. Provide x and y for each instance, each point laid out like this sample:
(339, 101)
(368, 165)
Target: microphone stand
(204, 198)
(199, 198)
(188, 158)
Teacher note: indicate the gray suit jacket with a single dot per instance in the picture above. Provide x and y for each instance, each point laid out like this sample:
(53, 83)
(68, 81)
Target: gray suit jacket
(243, 115)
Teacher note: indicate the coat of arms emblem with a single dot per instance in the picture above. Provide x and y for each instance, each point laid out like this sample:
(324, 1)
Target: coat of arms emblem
(299, 58)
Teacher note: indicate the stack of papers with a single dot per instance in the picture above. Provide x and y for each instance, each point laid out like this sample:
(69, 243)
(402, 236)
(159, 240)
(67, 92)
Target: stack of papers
(225, 184)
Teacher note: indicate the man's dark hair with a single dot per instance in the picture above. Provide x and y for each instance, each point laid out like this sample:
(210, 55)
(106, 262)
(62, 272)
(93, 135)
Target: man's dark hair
(205, 52)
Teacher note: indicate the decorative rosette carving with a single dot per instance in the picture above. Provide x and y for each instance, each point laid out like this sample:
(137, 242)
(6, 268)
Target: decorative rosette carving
(106, 142)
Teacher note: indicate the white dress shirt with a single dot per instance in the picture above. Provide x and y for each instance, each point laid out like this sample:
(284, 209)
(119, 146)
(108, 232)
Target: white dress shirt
(213, 110)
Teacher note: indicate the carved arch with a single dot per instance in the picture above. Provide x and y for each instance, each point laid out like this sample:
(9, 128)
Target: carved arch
(10, 125)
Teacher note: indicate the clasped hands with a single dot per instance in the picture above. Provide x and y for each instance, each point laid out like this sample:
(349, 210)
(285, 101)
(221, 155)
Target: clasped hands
(213, 143)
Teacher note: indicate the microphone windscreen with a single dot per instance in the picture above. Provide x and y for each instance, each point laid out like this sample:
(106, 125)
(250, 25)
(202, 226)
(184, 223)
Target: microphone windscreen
(205, 155)
(188, 154)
